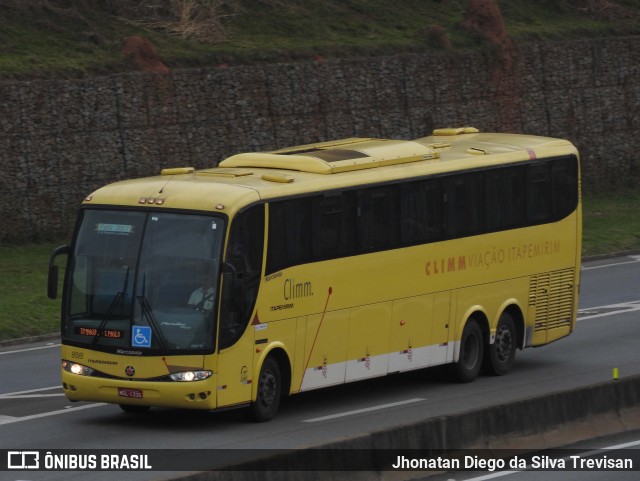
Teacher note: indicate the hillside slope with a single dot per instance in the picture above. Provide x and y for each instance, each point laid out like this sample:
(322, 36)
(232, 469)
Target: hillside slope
(79, 38)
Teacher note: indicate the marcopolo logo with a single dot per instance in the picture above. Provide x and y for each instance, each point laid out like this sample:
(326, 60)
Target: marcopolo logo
(23, 460)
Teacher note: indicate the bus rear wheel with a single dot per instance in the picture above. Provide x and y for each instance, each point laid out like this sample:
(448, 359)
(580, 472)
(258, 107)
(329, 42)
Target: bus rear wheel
(269, 391)
(471, 353)
(501, 355)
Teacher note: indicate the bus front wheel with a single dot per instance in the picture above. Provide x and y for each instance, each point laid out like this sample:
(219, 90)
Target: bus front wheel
(501, 355)
(471, 353)
(269, 391)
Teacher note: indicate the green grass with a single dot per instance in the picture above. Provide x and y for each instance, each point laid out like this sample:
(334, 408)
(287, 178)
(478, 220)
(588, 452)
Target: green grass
(25, 309)
(611, 225)
(58, 39)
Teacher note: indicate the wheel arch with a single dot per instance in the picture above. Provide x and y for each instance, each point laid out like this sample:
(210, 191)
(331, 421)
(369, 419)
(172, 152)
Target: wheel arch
(512, 308)
(281, 356)
(475, 313)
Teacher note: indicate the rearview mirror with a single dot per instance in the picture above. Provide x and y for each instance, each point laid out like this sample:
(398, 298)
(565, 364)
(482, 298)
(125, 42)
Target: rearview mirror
(52, 279)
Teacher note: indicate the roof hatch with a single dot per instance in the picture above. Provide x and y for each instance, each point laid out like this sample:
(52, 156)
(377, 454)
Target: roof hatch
(338, 156)
(456, 131)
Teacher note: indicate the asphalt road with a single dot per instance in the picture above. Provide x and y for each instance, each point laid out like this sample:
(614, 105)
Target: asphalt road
(34, 414)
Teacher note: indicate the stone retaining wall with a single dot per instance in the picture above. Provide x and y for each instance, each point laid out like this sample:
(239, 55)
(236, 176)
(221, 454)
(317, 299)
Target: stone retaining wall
(62, 139)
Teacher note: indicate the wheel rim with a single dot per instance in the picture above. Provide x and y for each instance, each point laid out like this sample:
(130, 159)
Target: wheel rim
(503, 344)
(268, 386)
(470, 351)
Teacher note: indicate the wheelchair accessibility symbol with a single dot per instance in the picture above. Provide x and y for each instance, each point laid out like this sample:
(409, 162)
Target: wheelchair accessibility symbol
(141, 336)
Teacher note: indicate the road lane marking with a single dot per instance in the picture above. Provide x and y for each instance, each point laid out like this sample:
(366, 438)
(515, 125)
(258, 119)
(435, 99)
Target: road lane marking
(28, 393)
(48, 346)
(10, 420)
(608, 310)
(630, 444)
(614, 264)
(30, 396)
(364, 410)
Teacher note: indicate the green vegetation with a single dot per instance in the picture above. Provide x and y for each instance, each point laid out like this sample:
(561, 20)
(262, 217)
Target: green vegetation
(58, 38)
(611, 224)
(25, 309)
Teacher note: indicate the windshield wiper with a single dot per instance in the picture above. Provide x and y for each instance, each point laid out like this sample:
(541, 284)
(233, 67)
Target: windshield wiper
(112, 307)
(153, 323)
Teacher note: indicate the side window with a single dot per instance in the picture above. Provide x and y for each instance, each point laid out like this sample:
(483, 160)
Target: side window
(246, 241)
(564, 174)
(242, 273)
(420, 212)
(464, 205)
(335, 230)
(505, 198)
(290, 233)
(538, 193)
(378, 216)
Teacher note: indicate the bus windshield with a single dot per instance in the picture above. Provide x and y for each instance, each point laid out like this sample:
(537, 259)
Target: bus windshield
(144, 281)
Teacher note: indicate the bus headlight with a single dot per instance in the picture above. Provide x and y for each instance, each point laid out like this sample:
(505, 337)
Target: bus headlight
(76, 368)
(190, 376)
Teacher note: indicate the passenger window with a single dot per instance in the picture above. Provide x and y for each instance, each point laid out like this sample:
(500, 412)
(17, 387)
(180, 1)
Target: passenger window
(377, 210)
(420, 212)
(335, 233)
(464, 205)
(290, 233)
(505, 191)
(538, 193)
(565, 186)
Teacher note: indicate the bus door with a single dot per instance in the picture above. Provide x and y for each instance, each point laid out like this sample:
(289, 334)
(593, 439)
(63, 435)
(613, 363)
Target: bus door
(235, 361)
(237, 334)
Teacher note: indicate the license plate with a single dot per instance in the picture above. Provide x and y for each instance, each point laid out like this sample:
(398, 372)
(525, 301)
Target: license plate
(130, 393)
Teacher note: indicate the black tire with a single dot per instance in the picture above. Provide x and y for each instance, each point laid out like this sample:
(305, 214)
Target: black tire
(501, 355)
(269, 391)
(471, 353)
(134, 409)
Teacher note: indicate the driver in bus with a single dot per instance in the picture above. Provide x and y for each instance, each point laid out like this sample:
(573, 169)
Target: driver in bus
(202, 298)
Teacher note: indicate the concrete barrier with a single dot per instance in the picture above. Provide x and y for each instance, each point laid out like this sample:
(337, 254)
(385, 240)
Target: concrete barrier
(531, 424)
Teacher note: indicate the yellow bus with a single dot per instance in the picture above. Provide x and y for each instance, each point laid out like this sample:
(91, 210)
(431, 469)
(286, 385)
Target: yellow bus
(311, 266)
